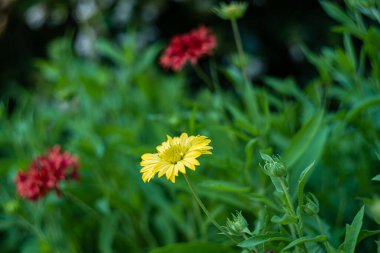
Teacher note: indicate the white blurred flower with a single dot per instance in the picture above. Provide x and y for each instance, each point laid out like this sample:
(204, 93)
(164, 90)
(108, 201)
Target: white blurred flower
(84, 42)
(123, 11)
(36, 16)
(85, 9)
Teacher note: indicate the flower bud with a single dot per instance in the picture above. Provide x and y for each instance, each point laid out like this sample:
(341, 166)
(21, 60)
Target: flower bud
(274, 166)
(231, 11)
(311, 207)
(237, 226)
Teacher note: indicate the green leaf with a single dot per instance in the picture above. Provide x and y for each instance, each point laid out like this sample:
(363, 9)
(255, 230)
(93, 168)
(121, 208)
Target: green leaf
(361, 106)
(305, 239)
(249, 153)
(284, 220)
(225, 186)
(352, 232)
(194, 247)
(335, 12)
(376, 178)
(112, 52)
(302, 140)
(367, 233)
(107, 233)
(258, 197)
(287, 87)
(302, 181)
(260, 239)
(312, 153)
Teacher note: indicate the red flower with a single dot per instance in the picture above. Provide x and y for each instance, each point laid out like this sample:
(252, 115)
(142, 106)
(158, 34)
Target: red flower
(45, 172)
(188, 47)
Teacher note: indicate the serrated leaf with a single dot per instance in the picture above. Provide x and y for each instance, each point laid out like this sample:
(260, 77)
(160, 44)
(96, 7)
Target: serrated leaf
(302, 181)
(352, 232)
(260, 239)
(305, 239)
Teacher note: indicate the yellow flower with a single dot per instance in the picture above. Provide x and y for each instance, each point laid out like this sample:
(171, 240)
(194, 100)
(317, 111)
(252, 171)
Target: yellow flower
(174, 155)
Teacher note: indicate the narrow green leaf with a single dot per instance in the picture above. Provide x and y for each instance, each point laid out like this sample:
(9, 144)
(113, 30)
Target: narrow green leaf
(266, 157)
(335, 12)
(225, 186)
(107, 233)
(305, 239)
(302, 181)
(302, 140)
(257, 197)
(194, 247)
(376, 178)
(350, 50)
(352, 232)
(361, 106)
(260, 239)
(107, 49)
(249, 154)
(367, 233)
(284, 220)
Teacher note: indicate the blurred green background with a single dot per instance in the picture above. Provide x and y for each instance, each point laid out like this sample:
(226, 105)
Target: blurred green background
(85, 74)
(272, 31)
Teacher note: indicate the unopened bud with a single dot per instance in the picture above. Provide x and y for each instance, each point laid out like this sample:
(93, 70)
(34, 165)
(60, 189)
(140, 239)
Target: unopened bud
(238, 225)
(231, 11)
(274, 166)
(311, 207)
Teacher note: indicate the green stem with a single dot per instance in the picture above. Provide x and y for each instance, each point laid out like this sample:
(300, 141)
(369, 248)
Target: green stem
(287, 196)
(248, 92)
(291, 209)
(254, 248)
(239, 46)
(203, 207)
(31, 227)
(202, 75)
(293, 233)
(325, 243)
(82, 204)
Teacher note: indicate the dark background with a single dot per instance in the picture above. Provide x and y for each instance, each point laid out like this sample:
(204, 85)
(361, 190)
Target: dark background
(272, 32)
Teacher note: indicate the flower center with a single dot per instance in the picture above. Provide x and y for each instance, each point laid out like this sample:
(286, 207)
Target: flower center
(174, 154)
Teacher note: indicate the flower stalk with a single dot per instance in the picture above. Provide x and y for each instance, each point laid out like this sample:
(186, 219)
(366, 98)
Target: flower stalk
(291, 209)
(239, 46)
(202, 75)
(207, 213)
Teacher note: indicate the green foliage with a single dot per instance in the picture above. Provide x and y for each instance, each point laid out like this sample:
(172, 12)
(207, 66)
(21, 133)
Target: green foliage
(316, 147)
(194, 247)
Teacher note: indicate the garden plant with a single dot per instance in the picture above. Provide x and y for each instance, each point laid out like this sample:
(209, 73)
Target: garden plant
(118, 153)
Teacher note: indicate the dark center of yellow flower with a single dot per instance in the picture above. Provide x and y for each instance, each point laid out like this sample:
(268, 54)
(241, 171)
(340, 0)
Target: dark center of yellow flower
(174, 154)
